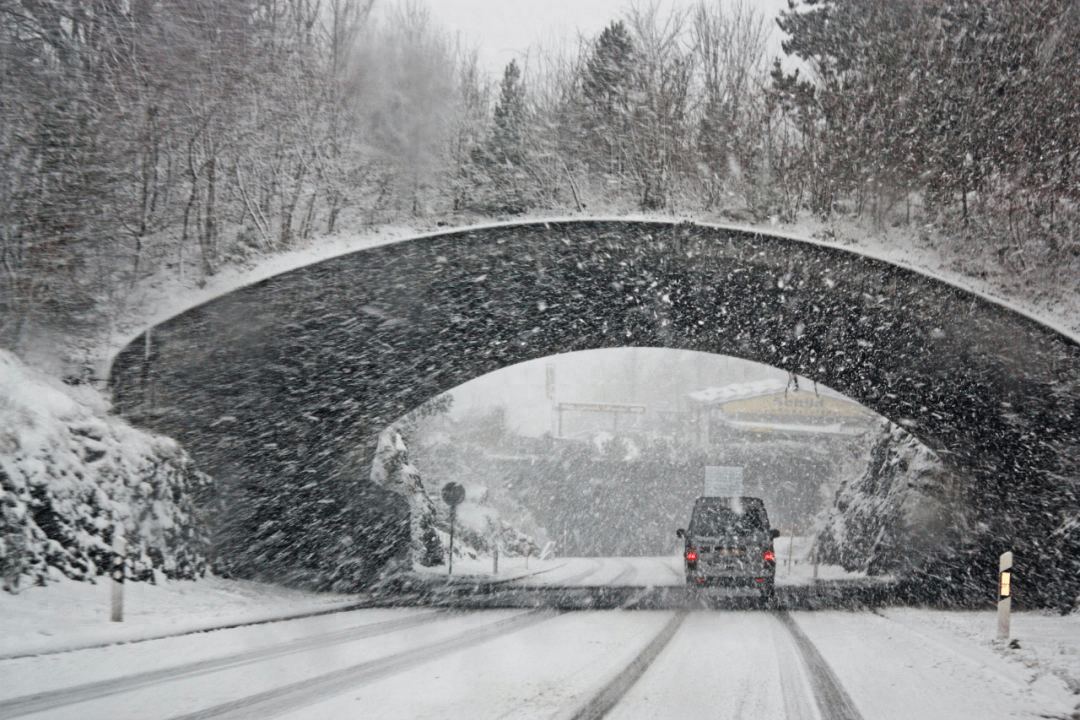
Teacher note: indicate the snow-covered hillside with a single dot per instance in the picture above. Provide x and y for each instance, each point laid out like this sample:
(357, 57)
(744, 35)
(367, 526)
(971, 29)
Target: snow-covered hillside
(480, 526)
(72, 477)
(897, 514)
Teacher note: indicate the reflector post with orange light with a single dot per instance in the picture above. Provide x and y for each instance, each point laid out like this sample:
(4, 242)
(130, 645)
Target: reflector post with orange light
(1004, 594)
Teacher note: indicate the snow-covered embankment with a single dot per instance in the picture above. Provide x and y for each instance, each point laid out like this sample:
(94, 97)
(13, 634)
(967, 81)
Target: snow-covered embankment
(72, 476)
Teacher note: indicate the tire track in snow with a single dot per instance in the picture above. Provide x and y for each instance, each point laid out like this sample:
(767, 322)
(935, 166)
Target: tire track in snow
(608, 696)
(832, 700)
(51, 699)
(595, 566)
(795, 683)
(307, 692)
(593, 569)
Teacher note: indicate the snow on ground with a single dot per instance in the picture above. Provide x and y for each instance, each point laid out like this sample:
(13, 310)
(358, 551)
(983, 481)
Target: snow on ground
(67, 615)
(931, 665)
(795, 566)
(633, 571)
(544, 671)
(723, 665)
(483, 568)
(562, 572)
(48, 673)
(1047, 643)
(200, 690)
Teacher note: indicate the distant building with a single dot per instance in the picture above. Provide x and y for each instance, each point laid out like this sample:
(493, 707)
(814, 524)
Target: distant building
(770, 409)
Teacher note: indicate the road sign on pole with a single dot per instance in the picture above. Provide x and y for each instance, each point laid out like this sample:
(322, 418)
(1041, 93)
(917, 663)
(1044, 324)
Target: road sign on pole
(1004, 594)
(452, 494)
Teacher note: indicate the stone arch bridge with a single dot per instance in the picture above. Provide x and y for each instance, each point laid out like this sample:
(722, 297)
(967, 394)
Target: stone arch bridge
(281, 382)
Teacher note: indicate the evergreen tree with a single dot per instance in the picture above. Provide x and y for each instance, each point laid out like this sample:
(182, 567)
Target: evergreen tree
(507, 140)
(503, 158)
(606, 99)
(609, 73)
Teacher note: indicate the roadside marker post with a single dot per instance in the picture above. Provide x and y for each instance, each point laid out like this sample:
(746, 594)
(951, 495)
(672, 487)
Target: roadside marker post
(452, 494)
(790, 547)
(119, 548)
(1004, 594)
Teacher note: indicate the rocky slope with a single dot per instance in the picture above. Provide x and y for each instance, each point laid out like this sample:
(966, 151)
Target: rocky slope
(72, 478)
(898, 515)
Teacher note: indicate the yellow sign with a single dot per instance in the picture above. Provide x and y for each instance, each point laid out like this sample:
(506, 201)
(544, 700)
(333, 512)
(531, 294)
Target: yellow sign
(1005, 584)
(797, 404)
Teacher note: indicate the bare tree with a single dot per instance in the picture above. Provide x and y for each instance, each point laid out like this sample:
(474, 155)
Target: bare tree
(730, 45)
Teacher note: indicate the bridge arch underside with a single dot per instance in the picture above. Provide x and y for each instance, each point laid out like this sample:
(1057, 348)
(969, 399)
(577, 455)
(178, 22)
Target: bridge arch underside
(286, 378)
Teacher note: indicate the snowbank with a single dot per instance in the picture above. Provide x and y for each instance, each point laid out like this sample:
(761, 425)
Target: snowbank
(72, 477)
(1046, 644)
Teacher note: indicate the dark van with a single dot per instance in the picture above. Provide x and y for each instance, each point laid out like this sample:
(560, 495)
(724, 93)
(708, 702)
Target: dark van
(729, 542)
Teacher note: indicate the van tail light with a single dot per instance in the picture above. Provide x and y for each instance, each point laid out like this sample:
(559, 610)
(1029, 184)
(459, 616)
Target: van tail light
(691, 556)
(769, 556)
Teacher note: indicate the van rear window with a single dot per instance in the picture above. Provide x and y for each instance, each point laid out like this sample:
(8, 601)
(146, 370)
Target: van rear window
(712, 520)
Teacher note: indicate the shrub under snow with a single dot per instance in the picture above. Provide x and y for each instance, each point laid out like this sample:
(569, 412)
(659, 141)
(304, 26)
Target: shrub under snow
(71, 475)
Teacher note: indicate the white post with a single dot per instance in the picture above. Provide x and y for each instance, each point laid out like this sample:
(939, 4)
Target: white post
(528, 550)
(790, 547)
(1004, 594)
(119, 548)
(453, 516)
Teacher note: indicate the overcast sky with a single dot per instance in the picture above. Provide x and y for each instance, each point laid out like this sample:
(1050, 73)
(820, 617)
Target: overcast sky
(653, 377)
(506, 29)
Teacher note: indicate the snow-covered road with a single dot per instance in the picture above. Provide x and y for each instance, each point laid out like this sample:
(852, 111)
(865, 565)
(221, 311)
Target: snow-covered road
(688, 653)
(612, 572)
(666, 571)
(424, 663)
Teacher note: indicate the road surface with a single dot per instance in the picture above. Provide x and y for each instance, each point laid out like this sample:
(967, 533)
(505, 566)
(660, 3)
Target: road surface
(689, 661)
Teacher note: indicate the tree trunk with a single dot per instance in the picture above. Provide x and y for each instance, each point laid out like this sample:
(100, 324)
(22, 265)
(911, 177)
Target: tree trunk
(209, 234)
